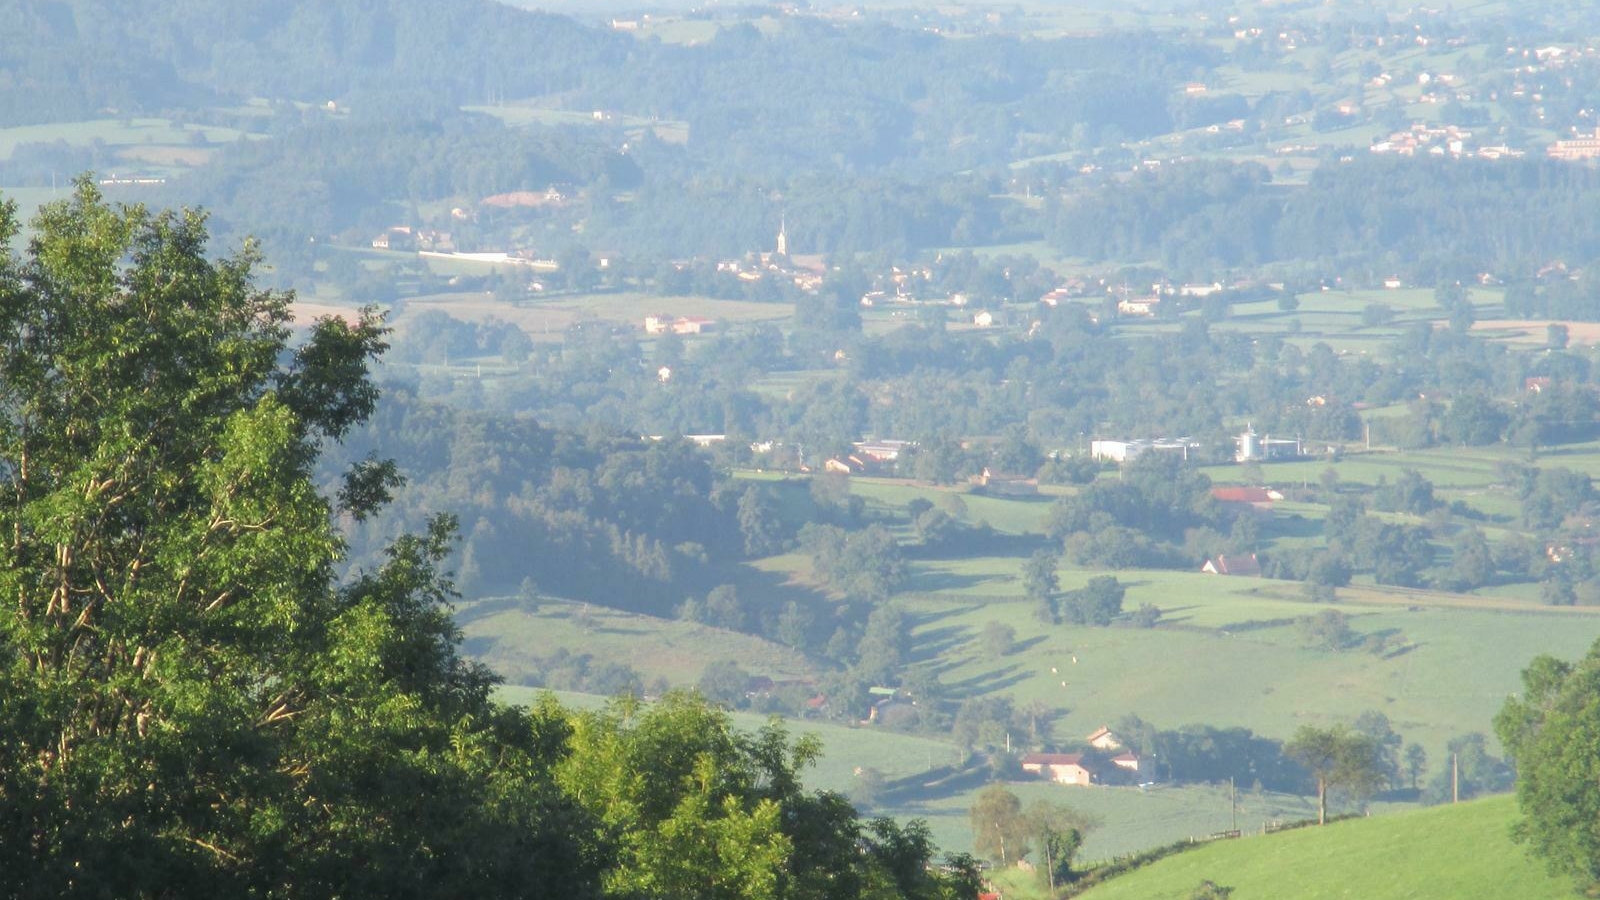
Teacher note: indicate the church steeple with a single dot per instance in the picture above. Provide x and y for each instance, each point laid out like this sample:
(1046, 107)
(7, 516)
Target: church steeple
(783, 236)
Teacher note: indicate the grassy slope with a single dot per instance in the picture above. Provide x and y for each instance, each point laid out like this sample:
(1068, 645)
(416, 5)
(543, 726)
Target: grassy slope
(1463, 664)
(509, 635)
(1452, 853)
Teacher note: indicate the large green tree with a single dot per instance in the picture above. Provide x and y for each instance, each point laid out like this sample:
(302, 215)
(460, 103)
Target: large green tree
(1552, 733)
(190, 703)
(999, 828)
(1338, 757)
(698, 809)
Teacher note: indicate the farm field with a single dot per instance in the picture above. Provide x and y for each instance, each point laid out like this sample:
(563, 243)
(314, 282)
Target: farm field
(1130, 818)
(1462, 852)
(1012, 516)
(114, 133)
(1229, 652)
(546, 320)
(527, 113)
(508, 634)
(1257, 673)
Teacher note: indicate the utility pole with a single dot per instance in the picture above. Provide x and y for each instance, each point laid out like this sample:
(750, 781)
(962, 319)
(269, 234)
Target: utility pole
(1233, 807)
(1049, 868)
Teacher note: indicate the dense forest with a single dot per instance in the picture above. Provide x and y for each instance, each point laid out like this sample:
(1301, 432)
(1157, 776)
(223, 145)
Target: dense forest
(1373, 216)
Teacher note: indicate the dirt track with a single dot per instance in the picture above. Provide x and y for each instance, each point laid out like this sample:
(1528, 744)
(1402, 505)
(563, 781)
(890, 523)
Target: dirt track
(1532, 331)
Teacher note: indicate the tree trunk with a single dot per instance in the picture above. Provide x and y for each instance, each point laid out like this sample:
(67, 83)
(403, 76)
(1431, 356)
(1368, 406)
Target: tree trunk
(1322, 801)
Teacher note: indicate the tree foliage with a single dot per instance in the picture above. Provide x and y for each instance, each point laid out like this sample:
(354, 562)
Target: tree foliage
(193, 704)
(1338, 757)
(186, 684)
(1550, 732)
(1000, 831)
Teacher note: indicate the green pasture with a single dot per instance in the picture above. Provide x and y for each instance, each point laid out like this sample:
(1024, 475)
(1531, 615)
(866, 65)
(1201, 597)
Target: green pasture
(1128, 818)
(1452, 468)
(1223, 660)
(1006, 514)
(1461, 852)
(780, 384)
(113, 133)
(508, 634)
(524, 114)
(548, 318)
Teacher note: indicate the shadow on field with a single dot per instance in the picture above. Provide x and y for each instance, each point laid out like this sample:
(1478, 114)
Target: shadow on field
(936, 642)
(774, 589)
(1027, 644)
(936, 784)
(1171, 615)
(467, 613)
(936, 582)
(985, 683)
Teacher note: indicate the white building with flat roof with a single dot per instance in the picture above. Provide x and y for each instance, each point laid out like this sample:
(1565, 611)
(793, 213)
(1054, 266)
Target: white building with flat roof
(1123, 451)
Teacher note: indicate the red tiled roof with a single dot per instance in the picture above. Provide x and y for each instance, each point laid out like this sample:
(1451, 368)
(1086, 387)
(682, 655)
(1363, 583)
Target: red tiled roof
(1237, 565)
(1241, 494)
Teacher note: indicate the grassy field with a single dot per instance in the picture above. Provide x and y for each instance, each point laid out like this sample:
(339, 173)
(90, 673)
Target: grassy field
(1450, 468)
(1012, 516)
(1457, 852)
(548, 319)
(527, 113)
(1228, 651)
(1129, 818)
(1223, 661)
(143, 146)
(114, 133)
(509, 634)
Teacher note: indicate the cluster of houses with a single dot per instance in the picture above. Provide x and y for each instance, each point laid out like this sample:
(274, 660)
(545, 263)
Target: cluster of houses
(1440, 141)
(666, 324)
(1129, 301)
(1084, 769)
(870, 458)
(407, 238)
(805, 270)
